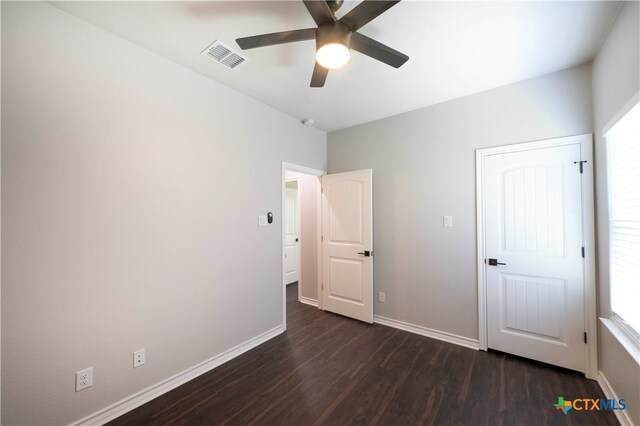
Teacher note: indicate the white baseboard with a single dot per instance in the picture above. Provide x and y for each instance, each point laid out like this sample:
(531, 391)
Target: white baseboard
(121, 407)
(621, 415)
(428, 332)
(308, 301)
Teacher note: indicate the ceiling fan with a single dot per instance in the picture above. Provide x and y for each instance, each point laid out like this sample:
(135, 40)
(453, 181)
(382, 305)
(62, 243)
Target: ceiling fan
(335, 37)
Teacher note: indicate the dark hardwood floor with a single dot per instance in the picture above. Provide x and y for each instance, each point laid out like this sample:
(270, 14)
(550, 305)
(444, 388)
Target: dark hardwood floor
(331, 370)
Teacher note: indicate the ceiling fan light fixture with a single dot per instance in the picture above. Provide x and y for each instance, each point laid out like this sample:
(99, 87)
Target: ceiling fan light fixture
(333, 55)
(333, 42)
(334, 37)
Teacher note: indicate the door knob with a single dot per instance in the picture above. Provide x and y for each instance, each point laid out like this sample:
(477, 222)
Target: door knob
(365, 253)
(494, 262)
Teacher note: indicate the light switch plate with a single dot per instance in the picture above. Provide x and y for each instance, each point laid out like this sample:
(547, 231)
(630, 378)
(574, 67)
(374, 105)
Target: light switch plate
(262, 220)
(447, 221)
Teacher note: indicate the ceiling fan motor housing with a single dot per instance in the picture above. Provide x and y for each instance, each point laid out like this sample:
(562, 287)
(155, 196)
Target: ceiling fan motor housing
(334, 5)
(333, 32)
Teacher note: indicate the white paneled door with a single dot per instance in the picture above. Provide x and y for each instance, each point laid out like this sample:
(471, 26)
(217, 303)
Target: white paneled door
(291, 232)
(533, 244)
(347, 244)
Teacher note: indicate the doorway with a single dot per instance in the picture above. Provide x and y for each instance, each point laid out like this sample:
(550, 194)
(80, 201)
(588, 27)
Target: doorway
(291, 231)
(300, 235)
(336, 250)
(536, 273)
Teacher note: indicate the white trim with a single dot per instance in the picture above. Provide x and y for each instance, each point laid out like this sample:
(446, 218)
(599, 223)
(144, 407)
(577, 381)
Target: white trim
(137, 399)
(299, 169)
(302, 169)
(319, 239)
(589, 264)
(586, 150)
(621, 415)
(483, 341)
(428, 332)
(308, 301)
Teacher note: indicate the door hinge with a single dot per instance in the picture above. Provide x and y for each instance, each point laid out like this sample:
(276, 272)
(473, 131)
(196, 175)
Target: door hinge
(585, 337)
(580, 162)
(583, 252)
(322, 238)
(321, 190)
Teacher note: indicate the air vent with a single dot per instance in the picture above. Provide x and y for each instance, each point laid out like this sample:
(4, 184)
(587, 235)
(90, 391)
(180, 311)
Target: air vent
(225, 55)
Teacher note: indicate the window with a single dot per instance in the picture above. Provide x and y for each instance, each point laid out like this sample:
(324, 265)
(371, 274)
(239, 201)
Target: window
(623, 142)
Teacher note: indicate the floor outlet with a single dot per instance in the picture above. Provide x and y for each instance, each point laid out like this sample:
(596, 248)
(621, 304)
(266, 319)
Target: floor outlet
(381, 297)
(84, 379)
(138, 358)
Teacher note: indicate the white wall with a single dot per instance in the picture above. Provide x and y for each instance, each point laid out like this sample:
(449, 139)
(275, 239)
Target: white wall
(308, 188)
(131, 189)
(616, 80)
(424, 167)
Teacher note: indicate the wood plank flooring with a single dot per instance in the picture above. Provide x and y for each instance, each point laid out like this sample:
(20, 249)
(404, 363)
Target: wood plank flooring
(331, 370)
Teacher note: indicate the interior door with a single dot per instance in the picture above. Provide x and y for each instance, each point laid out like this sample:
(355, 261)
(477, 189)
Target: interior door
(347, 244)
(291, 232)
(534, 265)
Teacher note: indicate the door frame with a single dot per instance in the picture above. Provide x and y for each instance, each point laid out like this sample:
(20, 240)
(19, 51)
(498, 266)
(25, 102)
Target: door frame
(290, 167)
(585, 141)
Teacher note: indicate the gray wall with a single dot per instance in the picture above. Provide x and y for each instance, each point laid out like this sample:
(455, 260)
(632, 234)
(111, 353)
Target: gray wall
(424, 167)
(131, 189)
(616, 80)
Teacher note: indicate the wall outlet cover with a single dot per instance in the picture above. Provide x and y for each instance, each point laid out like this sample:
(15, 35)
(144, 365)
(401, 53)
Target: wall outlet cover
(139, 358)
(84, 379)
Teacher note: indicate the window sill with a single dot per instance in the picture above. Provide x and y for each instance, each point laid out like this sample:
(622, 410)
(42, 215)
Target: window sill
(621, 336)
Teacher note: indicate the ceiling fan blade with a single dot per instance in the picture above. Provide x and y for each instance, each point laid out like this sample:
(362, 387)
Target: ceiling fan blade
(377, 50)
(319, 75)
(276, 38)
(319, 11)
(365, 12)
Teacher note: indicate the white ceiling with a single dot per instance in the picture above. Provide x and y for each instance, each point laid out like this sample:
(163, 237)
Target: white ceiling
(455, 49)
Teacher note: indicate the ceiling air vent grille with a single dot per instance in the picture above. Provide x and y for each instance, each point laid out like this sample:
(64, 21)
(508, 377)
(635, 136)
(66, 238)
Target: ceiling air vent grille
(225, 55)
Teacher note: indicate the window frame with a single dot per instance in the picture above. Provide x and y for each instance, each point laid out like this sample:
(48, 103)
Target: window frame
(628, 336)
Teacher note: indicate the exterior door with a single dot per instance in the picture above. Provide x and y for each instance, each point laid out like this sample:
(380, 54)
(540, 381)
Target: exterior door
(291, 232)
(347, 244)
(533, 233)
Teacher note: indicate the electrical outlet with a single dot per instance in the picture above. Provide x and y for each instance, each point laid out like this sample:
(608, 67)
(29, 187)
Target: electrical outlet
(84, 379)
(381, 297)
(139, 358)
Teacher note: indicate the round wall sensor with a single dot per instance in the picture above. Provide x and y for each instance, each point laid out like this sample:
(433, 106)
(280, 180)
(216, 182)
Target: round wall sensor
(307, 122)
